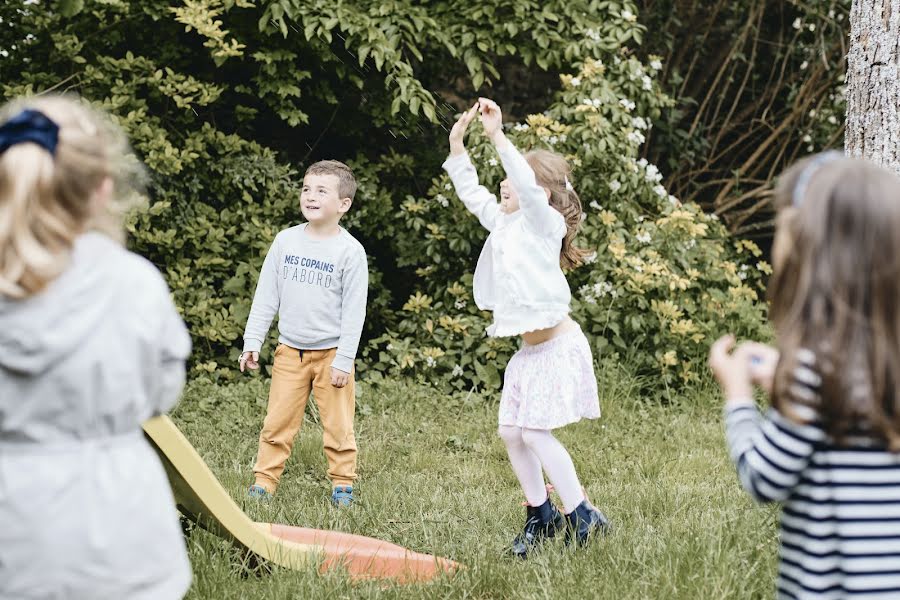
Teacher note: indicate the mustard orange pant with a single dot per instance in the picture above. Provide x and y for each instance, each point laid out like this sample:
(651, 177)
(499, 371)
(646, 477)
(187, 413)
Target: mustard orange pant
(296, 373)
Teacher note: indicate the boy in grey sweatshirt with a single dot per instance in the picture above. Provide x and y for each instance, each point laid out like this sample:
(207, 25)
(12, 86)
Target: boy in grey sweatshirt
(315, 277)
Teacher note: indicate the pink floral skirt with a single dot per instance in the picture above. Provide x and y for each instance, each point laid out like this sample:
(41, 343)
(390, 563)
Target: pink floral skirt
(551, 384)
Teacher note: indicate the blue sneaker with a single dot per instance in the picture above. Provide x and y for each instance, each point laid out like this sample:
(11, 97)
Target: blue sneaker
(342, 495)
(258, 492)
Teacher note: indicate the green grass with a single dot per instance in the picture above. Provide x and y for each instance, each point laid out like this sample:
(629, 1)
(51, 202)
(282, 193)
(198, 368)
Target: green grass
(434, 477)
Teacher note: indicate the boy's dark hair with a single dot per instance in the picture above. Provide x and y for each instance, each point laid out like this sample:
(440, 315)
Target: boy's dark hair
(346, 181)
(837, 293)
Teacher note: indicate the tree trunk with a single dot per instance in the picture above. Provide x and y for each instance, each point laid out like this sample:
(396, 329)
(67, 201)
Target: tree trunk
(873, 82)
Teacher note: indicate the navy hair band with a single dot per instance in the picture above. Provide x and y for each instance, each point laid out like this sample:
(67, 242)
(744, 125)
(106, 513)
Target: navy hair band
(29, 126)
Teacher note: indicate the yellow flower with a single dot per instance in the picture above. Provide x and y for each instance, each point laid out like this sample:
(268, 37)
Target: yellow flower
(456, 289)
(607, 217)
(417, 303)
(679, 283)
(425, 271)
(747, 245)
(669, 359)
(693, 274)
(617, 249)
(683, 327)
(666, 309)
(453, 324)
(433, 352)
(435, 231)
(764, 267)
(413, 206)
(407, 361)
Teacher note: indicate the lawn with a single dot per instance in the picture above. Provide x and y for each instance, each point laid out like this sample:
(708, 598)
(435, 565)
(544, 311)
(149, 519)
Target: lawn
(434, 477)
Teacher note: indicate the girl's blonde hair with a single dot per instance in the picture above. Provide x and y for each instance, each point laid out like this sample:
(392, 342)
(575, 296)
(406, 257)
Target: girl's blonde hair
(837, 293)
(46, 201)
(552, 171)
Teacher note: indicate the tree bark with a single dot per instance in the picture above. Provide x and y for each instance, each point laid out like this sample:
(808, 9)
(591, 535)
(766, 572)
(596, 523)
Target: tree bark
(873, 82)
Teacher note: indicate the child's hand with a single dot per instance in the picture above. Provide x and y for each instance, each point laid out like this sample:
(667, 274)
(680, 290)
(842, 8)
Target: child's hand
(249, 360)
(458, 133)
(339, 378)
(492, 120)
(732, 370)
(763, 360)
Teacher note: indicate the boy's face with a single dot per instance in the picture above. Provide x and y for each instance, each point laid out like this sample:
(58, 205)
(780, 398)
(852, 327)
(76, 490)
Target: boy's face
(320, 201)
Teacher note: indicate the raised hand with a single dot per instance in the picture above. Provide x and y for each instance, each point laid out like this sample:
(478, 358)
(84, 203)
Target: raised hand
(491, 118)
(458, 132)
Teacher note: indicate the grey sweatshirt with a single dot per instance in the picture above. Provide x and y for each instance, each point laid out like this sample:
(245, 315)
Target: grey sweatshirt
(318, 288)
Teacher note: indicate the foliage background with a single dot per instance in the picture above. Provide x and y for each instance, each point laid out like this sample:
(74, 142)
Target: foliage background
(227, 101)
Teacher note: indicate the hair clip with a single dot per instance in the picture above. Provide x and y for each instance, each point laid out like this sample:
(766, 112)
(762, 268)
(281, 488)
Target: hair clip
(809, 170)
(30, 126)
(568, 184)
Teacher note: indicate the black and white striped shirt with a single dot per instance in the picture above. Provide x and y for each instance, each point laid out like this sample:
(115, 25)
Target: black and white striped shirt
(840, 524)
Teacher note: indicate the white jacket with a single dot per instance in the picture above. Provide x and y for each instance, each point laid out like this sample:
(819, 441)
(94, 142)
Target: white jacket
(85, 505)
(518, 276)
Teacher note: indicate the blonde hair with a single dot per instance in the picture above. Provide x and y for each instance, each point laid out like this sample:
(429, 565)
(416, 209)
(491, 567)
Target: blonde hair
(552, 171)
(47, 201)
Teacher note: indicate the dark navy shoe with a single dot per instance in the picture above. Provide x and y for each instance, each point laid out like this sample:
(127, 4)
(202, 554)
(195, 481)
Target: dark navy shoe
(584, 521)
(342, 495)
(541, 522)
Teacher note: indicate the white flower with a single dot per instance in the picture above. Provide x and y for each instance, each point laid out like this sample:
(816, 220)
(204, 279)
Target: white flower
(840, 17)
(642, 163)
(563, 137)
(812, 27)
(442, 200)
(614, 186)
(389, 347)
(636, 137)
(460, 304)
(576, 81)
(810, 148)
(812, 114)
(553, 139)
(647, 83)
(797, 24)
(595, 205)
(803, 65)
(807, 138)
(521, 127)
(673, 200)
(448, 186)
(742, 275)
(598, 63)
(653, 174)
(641, 218)
(629, 16)
(592, 257)
(627, 104)
(832, 119)
(831, 13)
(457, 371)
(660, 191)
(643, 237)
(429, 361)
(692, 243)
(593, 34)
(655, 65)
(639, 123)
(4, 53)
(493, 162)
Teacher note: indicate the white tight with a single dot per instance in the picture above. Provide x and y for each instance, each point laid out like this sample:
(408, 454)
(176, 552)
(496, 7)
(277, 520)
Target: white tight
(530, 450)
